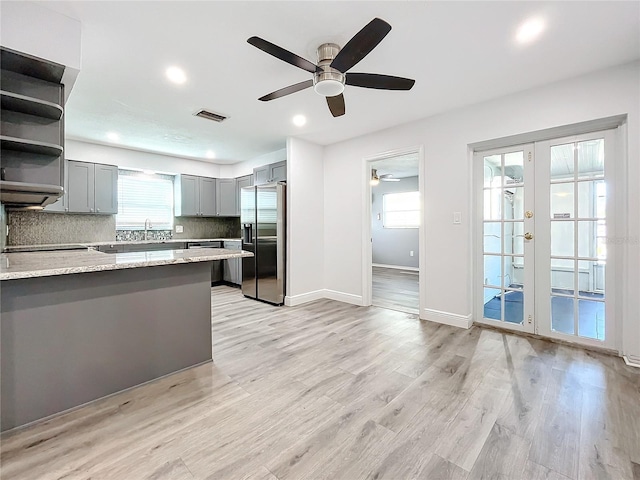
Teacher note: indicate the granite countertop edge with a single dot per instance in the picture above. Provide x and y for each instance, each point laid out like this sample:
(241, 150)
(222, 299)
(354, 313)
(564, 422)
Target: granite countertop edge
(105, 262)
(62, 246)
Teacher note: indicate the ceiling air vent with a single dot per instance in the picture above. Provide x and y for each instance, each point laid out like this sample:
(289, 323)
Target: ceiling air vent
(216, 117)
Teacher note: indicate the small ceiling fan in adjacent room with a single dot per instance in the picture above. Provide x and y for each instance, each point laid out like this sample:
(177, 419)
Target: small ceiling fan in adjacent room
(376, 179)
(329, 76)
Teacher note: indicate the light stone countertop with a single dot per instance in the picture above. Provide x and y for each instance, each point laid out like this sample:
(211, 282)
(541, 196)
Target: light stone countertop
(45, 264)
(80, 245)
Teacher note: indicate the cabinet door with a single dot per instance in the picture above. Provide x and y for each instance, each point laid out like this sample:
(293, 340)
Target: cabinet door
(189, 196)
(226, 197)
(261, 175)
(278, 172)
(242, 182)
(106, 188)
(208, 197)
(81, 186)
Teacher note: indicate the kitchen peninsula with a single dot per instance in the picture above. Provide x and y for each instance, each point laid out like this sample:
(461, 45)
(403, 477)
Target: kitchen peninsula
(79, 325)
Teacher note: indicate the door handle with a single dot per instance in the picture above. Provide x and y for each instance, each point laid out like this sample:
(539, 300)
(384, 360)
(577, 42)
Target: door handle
(528, 236)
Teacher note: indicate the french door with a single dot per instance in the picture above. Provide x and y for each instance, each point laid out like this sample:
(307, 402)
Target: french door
(546, 212)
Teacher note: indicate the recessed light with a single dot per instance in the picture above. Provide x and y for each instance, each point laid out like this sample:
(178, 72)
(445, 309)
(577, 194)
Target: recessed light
(530, 30)
(299, 120)
(113, 136)
(211, 154)
(176, 75)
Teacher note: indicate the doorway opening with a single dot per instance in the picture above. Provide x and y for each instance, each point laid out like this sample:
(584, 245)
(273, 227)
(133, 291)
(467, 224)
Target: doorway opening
(394, 219)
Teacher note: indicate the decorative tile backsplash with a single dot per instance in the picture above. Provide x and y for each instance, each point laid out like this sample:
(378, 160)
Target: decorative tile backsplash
(38, 228)
(134, 235)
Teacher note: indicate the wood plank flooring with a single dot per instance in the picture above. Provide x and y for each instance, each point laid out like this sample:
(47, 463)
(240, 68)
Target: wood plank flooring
(396, 289)
(334, 391)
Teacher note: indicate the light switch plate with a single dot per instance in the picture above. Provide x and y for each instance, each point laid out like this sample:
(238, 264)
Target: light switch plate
(457, 218)
(179, 229)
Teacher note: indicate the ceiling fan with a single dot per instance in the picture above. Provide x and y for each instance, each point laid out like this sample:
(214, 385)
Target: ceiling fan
(329, 76)
(387, 177)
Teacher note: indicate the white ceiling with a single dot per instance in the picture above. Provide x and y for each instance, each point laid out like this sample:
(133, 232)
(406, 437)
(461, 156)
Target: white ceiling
(459, 53)
(401, 166)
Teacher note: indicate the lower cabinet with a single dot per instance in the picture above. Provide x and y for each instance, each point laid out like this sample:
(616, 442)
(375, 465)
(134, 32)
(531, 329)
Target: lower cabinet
(232, 267)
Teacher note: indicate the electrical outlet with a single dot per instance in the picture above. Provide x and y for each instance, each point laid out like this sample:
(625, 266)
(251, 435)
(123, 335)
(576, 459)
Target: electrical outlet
(411, 253)
(179, 229)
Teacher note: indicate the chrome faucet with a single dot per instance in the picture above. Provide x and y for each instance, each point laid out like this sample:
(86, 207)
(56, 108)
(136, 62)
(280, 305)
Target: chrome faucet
(147, 226)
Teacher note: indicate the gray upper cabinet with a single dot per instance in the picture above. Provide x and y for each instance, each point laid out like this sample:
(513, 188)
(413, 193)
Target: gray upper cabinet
(278, 172)
(226, 197)
(195, 196)
(91, 188)
(81, 186)
(208, 197)
(242, 182)
(275, 172)
(188, 196)
(261, 175)
(106, 189)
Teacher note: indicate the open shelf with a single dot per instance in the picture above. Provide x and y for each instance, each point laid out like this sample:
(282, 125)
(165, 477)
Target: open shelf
(30, 146)
(29, 105)
(28, 194)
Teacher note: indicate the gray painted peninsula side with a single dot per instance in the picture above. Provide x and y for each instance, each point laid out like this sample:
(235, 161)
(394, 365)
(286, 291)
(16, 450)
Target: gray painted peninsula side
(68, 340)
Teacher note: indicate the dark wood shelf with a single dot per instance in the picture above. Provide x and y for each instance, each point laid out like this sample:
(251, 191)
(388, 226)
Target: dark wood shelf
(30, 146)
(31, 106)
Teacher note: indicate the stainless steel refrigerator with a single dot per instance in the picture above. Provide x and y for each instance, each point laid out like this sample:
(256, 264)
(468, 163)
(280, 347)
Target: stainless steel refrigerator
(262, 216)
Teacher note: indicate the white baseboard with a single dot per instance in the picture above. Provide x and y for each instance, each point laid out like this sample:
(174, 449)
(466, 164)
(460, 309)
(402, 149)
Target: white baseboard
(632, 360)
(343, 297)
(294, 300)
(396, 267)
(453, 319)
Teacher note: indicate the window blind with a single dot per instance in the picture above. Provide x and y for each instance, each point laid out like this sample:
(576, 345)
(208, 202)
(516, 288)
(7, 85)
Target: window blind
(144, 196)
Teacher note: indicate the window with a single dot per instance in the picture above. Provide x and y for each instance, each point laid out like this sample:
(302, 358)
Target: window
(143, 196)
(401, 210)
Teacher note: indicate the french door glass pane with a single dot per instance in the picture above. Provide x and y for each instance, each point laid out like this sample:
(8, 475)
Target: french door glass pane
(514, 306)
(492, 236)
(562, 239)
(562, 314)
(592, 200)
(492, 167)
(591, 319)
(587, 239)
(562, 200)
(514, 237)
(562, 276)
(514, 167)
(513, 271)
(591, 279)
(493, 303)
(591, 158)
(562, 161)
(493, 270)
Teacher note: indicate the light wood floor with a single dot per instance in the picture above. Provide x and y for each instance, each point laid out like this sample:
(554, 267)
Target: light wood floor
(396, 289)
(330, 390)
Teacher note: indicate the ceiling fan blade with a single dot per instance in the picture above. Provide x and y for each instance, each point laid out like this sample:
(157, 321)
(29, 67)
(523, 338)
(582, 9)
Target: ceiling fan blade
(361, 44)
(381, 82)
(282, 54)
(336, 105)
(287, 90)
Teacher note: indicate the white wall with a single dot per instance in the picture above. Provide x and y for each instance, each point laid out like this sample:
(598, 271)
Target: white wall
(305, 227)
(448, 186)
(125, 158)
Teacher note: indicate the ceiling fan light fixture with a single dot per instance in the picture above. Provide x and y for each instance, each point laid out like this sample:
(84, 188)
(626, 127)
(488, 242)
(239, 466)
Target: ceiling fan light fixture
(329, 88)
(375, 180)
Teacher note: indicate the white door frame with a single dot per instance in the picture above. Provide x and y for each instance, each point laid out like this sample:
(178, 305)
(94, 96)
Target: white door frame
(616, 213)
(367, 251)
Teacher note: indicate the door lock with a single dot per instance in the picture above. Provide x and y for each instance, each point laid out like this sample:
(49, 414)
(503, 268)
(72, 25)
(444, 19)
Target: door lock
(528, 214)
(528, 236)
